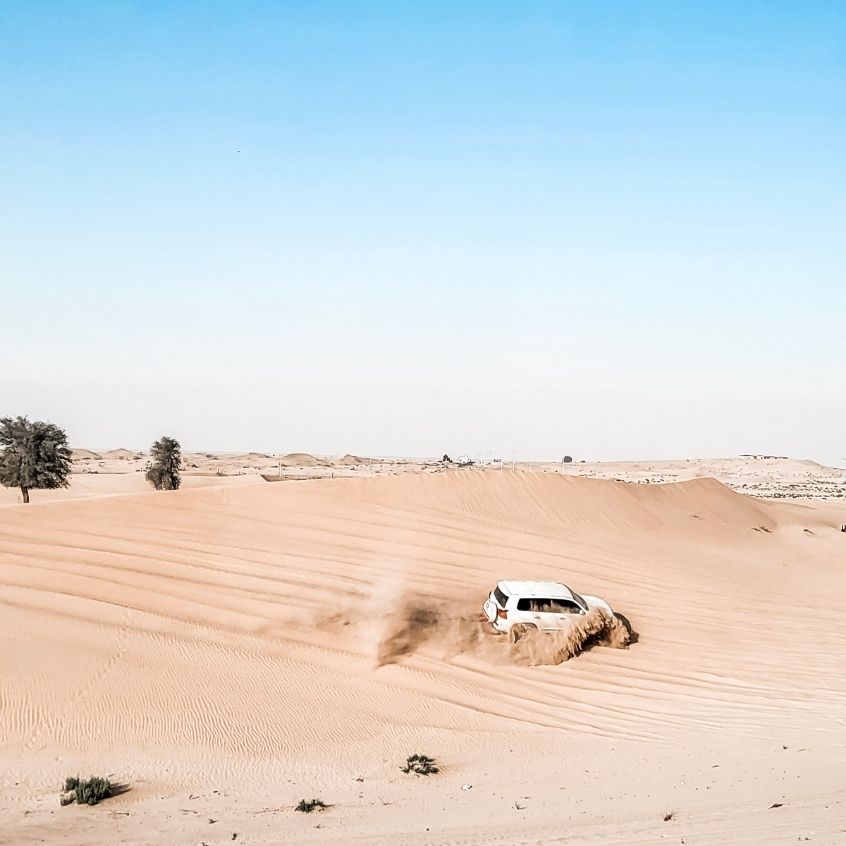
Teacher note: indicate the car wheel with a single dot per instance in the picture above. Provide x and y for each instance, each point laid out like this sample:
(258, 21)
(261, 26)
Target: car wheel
(490, 611)
(517, 632)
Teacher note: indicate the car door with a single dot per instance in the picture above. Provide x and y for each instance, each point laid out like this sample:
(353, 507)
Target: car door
(526, 615)
(552, 614)
(538, 612)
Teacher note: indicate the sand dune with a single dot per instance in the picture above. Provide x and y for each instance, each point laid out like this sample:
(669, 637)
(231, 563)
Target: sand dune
(85, 454)
(120, 453)
(767, 476)
(233, 639)
(88, 485)
(352, 460)
(298, 459)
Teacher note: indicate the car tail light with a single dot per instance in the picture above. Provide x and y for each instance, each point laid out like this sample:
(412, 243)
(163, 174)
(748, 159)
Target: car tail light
(502, 613)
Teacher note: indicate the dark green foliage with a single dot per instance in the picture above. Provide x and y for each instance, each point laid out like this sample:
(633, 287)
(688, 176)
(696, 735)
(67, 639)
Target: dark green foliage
(165, 460)
(420, 764)
(88, 792)
(33, 455)
(311, 805)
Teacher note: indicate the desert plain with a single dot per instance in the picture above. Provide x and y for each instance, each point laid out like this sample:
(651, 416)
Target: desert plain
(293, 627)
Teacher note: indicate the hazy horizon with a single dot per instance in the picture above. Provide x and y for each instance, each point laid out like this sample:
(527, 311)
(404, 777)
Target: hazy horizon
(470, 451)
(609, 231)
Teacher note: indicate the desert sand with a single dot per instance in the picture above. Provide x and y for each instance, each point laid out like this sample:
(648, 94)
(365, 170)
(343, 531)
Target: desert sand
(765, 476)
(233, 647)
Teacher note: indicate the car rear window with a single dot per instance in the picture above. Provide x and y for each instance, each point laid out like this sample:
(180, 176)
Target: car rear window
(500, 597)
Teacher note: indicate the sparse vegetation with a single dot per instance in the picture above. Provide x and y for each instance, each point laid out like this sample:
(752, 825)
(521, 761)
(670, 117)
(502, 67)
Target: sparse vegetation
(669, 815)
(420, 765)
(307, 806)
(33, 455)
(86, 792)
(163, 469)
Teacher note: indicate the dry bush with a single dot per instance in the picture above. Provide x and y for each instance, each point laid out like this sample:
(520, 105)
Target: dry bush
(307, 806)
(420, 765)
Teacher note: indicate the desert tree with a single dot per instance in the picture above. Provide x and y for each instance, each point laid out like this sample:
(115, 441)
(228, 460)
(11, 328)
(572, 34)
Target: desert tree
(33, 455)
(165, 460)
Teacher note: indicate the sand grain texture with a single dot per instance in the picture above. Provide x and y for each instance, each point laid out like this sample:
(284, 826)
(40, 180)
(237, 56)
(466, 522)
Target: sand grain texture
(260, 640)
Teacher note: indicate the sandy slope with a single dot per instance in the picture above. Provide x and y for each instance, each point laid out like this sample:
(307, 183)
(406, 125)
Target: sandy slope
(86, 486)
(764, 476)
(223, 651)
(767, 476)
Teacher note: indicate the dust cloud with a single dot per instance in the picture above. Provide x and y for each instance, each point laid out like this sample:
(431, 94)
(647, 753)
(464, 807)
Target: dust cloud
(448, 631)
(597, 628)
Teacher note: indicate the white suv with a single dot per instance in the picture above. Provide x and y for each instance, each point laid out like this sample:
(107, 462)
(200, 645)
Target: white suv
(514, 607)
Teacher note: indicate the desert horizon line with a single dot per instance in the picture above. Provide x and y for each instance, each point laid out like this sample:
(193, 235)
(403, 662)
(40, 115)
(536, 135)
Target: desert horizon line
(506, 457)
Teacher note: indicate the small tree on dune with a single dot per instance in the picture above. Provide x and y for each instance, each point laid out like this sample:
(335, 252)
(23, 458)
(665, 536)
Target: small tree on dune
(165, 460)
(34, 456)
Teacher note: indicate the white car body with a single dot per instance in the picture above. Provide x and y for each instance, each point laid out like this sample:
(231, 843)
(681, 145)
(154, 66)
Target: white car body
(547, 606)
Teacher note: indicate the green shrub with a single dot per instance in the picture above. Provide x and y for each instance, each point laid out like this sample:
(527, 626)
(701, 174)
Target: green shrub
(88, 792)
(33, 455)
(164, 465)
(420, 764)
(311, 805)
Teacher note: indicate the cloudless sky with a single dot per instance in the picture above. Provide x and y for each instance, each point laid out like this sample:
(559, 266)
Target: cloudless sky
(608, 229)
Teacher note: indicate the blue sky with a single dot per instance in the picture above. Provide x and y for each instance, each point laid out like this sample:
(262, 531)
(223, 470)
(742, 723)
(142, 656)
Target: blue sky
(605, 229)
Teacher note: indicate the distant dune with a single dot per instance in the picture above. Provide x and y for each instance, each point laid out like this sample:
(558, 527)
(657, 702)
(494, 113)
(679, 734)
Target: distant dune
(120, 453)
(772, 477)
(298, 459)
(83, 454)
(352, 460)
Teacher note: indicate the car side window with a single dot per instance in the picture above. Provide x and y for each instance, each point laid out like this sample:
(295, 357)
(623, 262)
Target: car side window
(549, 606)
